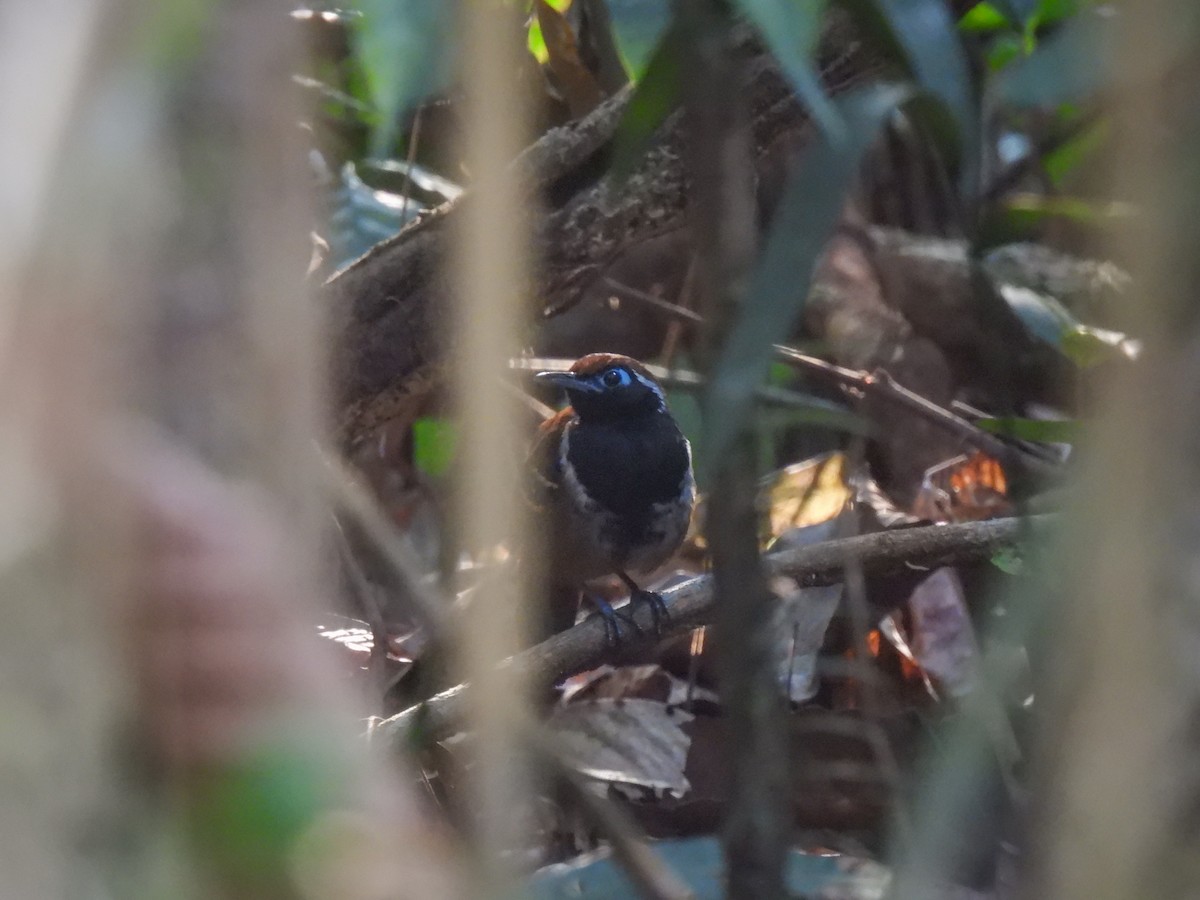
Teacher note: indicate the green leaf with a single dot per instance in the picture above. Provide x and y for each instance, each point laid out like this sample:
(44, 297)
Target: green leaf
(656, 96)
(1086, 345)
(1050, 321)
(1051, 12)
(791, 29)
(1020, 12)
(1070, 66)
(407, 50)
(1023, 217)
(1003, 50)
(1009, 561)
(433, 445)
(638, 26)
(984, 18)
(922, 35)
(536, 41)
(1046, 431)
(1068, 157)
(805, 219)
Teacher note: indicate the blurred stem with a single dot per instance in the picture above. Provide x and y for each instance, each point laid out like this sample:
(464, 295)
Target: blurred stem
(491, 282)
(756, 828)
(1118, 748)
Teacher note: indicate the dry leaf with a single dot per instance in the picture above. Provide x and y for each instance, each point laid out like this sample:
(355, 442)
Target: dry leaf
(807, 493)
(635, 742)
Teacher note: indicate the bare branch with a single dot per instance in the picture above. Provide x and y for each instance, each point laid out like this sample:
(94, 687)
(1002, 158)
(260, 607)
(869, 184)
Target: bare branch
(691, 603)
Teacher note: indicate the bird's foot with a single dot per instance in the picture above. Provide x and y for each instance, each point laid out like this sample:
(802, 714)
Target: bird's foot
(658, 608)
(612, 620)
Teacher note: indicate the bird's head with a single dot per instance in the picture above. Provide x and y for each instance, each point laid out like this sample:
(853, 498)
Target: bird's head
(608, 386)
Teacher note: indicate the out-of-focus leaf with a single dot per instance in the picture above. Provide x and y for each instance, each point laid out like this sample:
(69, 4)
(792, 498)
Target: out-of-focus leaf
(923, 36)
(536, 42)
(984, 18)
(598, 45)
(630, 741)
(1051, 12)
(1086, 345)
(1020, 12)
(1009, 561)
(1030, 209)
(806, 217)
(360, 217)
(1067, 67)
(787, 408)
(1066, 159)
(578, 84)
(656, 96)
(791, 29)
(433, 445)
(1003, 50)
(1022, 217)
(1047, 431)
(700, 863)
(1053, 323)
(407, 50)
(638, 25)
(173, 33)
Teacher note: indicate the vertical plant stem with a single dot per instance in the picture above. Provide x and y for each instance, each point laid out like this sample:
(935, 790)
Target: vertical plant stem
(1118, 751)
(756, 829)
(60, 691)
(491, 279)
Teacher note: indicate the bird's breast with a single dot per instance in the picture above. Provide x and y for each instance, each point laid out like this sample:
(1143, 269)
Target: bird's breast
(631, 492)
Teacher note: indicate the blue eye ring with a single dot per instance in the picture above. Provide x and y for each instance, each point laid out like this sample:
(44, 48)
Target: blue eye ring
(616, 378)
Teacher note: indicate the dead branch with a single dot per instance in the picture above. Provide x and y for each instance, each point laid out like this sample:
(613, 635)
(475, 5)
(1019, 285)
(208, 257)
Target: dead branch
(691, 603)
(391, 333)
(879, 385)
(882, 386)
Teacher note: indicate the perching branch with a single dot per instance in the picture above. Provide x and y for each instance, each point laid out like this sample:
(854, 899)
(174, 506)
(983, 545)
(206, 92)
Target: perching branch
(691, 603)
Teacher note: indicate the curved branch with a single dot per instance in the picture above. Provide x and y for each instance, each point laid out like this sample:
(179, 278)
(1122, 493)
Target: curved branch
(691, 603)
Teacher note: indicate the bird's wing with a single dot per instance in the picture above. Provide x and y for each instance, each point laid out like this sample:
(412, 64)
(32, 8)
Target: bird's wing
(543, 464)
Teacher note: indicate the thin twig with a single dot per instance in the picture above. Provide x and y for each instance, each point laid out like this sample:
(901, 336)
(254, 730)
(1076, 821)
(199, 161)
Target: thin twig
(652, 877)
(691, 603)
(755, 825)
(377, 663)
(356, 500)
(879, 385)
(882, 386)
(673, 309)
(414, 140)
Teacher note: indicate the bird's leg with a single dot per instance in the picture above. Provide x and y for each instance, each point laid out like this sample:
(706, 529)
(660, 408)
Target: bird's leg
(658, 606)
(612, 619)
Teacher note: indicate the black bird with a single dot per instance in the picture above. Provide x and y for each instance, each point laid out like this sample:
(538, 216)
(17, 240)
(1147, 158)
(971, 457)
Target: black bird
(612, 483)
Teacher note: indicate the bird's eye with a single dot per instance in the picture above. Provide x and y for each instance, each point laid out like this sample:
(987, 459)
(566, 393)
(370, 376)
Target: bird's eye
(615, 378)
